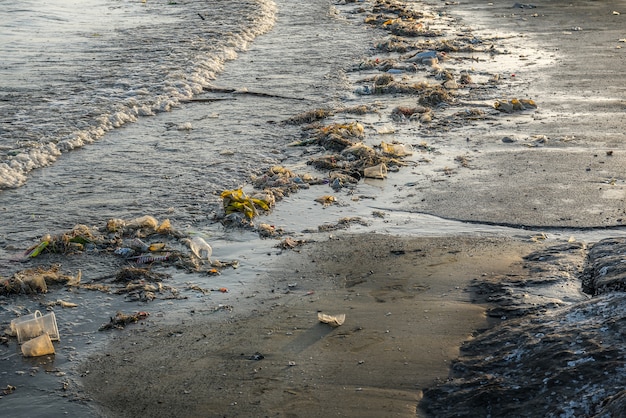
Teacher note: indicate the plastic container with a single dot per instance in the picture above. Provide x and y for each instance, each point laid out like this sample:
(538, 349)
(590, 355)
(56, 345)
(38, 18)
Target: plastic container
(397, 150)
(23, 318)
(37, 325)
(200, 248)
(27, 327)
(39, 346)
(376, 172)
(49, 322)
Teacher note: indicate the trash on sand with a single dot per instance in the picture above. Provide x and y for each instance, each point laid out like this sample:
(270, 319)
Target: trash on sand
(7, 390)
(278, 182)
(256, 356)
(396, 150)
(290, 243)
(69, 242)
(39, 346)
(332, 320)
(326, 200)
(149, 258)
(200, 248)
(36, 280)
(514, 105)
(358, 150)
(34, 325)
(121, 320)
(145, 223)
(376, 172)
(338, 136)
(267, 230)
(62, 303)
(37, 249)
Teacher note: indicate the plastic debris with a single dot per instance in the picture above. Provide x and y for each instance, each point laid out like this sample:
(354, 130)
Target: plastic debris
(514, 105)
(326, 200)
(332, 320)
(200, 248)
(376, 172)
(396, 150)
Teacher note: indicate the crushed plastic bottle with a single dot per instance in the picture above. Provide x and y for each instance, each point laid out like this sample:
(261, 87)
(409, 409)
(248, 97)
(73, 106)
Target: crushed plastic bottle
(200, 248)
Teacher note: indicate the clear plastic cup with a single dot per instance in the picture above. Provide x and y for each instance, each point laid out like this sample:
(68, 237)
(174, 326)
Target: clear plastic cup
(35, 326)
(376, 172)
(49, 323)
(39, 346)
(29, 329)
(23, 318)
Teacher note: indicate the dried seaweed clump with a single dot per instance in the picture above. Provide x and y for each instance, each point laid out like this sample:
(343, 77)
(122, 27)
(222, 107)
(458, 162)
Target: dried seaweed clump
(395, 44)
(403, 113)
(410, 28)
(434, 96)
(278, 182)
(309, 116)
(398, 8)
(36, 280)
(338, 136)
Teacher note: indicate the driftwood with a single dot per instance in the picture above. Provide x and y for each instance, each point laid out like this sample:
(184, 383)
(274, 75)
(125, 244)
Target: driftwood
(247, 92)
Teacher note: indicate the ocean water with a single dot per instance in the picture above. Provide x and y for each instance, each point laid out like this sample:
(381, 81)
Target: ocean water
(72, 71)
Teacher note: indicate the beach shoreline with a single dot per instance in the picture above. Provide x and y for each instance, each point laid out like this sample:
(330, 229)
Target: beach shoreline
(409, 301)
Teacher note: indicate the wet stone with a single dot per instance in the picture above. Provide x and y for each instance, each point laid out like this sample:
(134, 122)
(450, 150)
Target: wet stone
(605, 270)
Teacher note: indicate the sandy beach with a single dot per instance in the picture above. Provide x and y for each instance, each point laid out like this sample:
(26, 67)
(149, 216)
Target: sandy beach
(426, 315)
(408, 309)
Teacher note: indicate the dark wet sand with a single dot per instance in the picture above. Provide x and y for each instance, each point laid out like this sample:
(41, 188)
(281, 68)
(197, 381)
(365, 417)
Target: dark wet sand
(408, 309)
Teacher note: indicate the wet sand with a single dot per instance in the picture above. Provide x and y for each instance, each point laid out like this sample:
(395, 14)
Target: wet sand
(407, 301)
(408, 309)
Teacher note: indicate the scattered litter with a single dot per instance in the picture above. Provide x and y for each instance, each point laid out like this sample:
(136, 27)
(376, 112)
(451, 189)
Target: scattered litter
(332, 320)
(396, 150)
(62, 303)
(200, 248)
(39, 346)
(8, 390)
(36, 280)
(326, 200)
(290, 243)
(120, 320)
(376, 172)
(514, 105)
(30, 327)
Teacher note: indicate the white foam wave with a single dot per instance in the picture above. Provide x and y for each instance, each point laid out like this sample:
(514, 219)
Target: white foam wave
(165, 86)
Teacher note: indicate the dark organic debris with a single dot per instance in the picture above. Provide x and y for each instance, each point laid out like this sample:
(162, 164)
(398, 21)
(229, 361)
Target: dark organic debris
(36, 280)
(120, 320)
(343, 223)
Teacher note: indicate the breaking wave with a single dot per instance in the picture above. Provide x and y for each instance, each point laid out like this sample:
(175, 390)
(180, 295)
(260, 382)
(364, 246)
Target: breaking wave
(70, 76)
